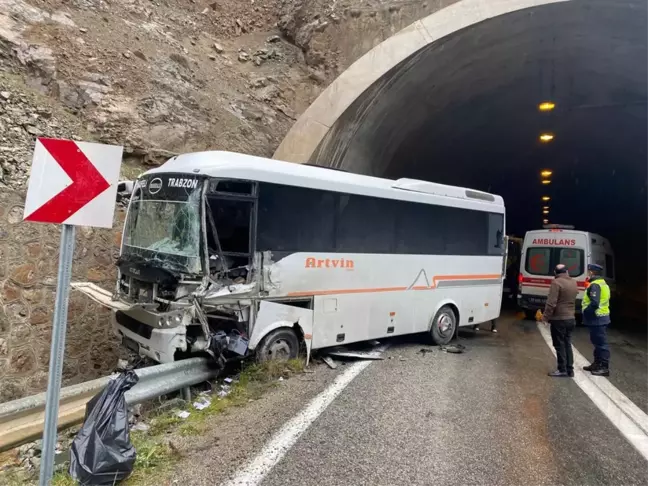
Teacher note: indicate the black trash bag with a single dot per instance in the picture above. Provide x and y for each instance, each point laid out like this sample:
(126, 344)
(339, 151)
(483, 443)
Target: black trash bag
(102, 452)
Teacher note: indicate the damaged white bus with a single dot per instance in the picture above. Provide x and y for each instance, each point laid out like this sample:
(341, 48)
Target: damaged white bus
(232, 255)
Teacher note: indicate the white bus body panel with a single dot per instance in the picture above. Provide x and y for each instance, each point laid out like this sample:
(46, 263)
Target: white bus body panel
(366, 296)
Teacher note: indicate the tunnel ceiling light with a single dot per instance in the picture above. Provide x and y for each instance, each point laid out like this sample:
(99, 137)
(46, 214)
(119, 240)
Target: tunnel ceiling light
(546, 198)
(545, 207)
(546, 106)
(546, 173)
(546, 181)
(546, 137)
(545, 211)
(545, 221)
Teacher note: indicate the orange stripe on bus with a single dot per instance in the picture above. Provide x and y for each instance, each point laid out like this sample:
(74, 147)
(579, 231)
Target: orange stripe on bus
(395, 289)
(346, 291)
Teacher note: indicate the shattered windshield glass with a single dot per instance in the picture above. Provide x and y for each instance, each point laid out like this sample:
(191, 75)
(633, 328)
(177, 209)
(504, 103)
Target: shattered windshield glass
(163, 227)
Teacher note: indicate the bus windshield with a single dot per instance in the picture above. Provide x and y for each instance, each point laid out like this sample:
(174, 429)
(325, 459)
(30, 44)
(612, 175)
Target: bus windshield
(165, 230)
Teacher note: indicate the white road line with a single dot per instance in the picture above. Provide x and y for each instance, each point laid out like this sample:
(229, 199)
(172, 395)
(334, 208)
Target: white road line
(253, 473)
(629, 419)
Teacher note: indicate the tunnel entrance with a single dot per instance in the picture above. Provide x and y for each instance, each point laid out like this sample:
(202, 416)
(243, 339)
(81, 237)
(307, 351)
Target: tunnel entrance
(464, 110)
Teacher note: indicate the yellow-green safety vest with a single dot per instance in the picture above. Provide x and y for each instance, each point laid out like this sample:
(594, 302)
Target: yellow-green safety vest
(604, 302)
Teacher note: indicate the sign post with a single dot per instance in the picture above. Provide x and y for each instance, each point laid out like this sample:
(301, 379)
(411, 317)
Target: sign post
(57, 351)
(73, 184)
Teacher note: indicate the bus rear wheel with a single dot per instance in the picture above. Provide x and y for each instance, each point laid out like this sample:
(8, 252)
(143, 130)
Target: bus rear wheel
(279, 345)
(444, 326)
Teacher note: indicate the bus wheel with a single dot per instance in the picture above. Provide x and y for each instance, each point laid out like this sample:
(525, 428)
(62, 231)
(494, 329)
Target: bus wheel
(443, 326)
(281, 345)
(529, 315)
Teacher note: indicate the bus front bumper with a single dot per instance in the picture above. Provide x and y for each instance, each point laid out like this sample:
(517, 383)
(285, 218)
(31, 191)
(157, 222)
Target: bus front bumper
(147, 341)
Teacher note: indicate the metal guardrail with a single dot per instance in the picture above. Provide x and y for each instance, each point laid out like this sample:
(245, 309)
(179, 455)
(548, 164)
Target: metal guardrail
(22, 420)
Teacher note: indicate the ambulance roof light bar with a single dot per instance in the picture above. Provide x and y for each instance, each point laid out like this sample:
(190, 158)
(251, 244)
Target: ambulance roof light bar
(558, 226)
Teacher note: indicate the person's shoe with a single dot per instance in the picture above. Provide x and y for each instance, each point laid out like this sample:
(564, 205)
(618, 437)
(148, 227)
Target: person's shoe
(558, 374)
(591, 367)
(476, 328)
(493, 330)
(570, 374)
(601, 371)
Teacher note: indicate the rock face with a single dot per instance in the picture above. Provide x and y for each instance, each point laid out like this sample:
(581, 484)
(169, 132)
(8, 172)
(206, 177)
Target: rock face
(159, 78)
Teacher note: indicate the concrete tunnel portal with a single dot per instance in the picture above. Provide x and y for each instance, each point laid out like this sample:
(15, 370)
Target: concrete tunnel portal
(463, 109)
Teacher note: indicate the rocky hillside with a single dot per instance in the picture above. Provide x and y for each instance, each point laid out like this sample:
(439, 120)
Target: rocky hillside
(162, 77)
(159, 77)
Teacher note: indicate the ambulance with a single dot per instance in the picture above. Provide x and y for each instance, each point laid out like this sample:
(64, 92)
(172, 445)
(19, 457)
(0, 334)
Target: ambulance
(543, 249)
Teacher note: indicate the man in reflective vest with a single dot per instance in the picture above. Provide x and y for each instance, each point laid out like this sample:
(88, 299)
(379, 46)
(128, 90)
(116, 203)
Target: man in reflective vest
(596, 316)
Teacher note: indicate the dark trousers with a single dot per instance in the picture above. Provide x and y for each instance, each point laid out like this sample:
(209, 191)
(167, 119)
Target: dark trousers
(598, 336)
(561, 335)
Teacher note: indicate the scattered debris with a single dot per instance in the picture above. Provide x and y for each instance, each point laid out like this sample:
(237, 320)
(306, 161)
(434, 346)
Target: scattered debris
(273, 38)
(202, 404)
(140, 427)
(228, 380)
(453, 348)
(281, 378)
(400, 358)
(425, 350)
(344, 353)
(331, 364)
(183, 414)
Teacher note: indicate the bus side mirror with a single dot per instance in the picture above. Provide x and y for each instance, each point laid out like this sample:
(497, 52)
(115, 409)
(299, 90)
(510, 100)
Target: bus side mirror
(125, 188)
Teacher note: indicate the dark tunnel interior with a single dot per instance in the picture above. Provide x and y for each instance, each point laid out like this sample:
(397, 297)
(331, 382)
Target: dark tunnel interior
(465, 111)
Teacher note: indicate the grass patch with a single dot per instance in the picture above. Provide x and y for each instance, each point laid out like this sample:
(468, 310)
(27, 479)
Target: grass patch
(163, 423)
(63, 479)
(155, 455)
(254, 380)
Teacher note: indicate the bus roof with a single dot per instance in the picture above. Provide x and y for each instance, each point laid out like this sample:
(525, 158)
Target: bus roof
(230, 165)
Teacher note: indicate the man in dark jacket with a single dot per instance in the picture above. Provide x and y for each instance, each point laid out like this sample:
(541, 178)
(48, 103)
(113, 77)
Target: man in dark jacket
(596, 316)
(559, 313)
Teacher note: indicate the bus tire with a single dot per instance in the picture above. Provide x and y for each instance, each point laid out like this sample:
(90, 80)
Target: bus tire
(529, 314)
(281, 345)
(444, 325)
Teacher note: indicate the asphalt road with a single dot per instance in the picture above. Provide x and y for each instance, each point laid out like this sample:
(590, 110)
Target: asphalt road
(489, 416)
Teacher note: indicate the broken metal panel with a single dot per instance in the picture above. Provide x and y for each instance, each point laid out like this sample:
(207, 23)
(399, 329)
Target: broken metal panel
(273, 315)
(347, 353)
(101, 296)
(215, 292)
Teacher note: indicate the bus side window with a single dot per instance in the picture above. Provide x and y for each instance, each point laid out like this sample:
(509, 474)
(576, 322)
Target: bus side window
(466, 231)
(495, 234)
(419, 229)
(295, 219)
(365, 224)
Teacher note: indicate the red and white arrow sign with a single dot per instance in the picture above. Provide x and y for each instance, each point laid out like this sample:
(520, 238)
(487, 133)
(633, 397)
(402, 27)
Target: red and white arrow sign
(73, 183)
